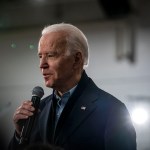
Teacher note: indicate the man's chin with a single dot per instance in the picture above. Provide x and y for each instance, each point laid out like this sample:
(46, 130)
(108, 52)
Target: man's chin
(47, 84)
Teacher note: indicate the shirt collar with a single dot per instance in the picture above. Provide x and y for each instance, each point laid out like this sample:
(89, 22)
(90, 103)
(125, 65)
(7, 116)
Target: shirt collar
(68, 93)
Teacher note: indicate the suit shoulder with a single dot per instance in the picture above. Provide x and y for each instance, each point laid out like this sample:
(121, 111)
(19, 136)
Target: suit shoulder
(102, 94)
(108, 98)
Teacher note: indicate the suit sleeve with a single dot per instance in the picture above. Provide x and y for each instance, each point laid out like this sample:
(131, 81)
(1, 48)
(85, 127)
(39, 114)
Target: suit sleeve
(120, 133)
(14, 143)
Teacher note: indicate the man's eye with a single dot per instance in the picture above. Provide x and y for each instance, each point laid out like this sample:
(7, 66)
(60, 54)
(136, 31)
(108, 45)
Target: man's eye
(50, 55)
(40, 56)
(54, 54)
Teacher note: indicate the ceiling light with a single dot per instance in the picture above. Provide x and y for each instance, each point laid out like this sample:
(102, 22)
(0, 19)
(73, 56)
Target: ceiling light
(139, 115)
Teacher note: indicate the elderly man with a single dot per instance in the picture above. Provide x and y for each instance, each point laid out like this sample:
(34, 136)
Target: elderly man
(77, 115)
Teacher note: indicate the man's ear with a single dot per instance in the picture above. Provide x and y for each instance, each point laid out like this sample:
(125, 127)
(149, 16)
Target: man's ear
(78, 60)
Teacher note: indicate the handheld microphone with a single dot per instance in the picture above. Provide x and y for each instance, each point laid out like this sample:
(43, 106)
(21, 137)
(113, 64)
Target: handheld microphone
(37, 94)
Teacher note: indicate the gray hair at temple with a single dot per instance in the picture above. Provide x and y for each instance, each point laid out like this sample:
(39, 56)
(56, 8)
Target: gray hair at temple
(76, 40)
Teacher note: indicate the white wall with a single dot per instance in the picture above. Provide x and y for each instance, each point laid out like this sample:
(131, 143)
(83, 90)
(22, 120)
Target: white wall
(125, 80)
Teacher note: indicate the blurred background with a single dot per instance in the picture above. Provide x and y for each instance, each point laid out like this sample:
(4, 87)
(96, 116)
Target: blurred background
(118, 32)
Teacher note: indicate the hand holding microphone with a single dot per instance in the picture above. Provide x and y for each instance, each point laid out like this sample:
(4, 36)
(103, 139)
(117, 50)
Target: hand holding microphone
(27, 112)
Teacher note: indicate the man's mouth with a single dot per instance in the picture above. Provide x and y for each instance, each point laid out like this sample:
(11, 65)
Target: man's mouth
(46, 76)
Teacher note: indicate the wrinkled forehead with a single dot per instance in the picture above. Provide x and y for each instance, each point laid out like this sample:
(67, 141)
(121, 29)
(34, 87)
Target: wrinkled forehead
(53, 40)
(54, 37)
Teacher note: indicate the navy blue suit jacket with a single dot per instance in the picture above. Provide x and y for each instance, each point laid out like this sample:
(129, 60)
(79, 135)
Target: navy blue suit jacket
(91, 120)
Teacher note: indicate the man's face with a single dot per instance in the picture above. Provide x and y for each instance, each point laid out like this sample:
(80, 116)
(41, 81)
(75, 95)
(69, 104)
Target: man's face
(57, 68)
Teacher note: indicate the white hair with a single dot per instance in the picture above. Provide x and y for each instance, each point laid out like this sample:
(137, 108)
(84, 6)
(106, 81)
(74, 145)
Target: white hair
(76, 40)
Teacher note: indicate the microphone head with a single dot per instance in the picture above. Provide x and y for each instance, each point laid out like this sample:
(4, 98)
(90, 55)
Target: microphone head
(38, 91)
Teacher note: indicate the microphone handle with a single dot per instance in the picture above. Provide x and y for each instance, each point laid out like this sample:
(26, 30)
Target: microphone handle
(26, 129)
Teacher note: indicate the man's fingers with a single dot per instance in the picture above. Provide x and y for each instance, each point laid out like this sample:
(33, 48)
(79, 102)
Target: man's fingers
(24, 111)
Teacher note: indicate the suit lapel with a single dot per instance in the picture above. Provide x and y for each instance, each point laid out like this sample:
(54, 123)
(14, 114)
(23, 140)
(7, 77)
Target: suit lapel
(43, 125)
(80, 113)
(79, 107)
(71, 102)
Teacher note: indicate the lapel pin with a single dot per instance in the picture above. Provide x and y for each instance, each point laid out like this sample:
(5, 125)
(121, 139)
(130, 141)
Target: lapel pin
(83, 107)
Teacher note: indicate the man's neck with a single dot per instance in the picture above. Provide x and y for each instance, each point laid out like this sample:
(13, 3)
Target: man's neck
(62, 90)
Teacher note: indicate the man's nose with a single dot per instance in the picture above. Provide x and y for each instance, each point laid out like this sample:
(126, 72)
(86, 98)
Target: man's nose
(43, 63)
